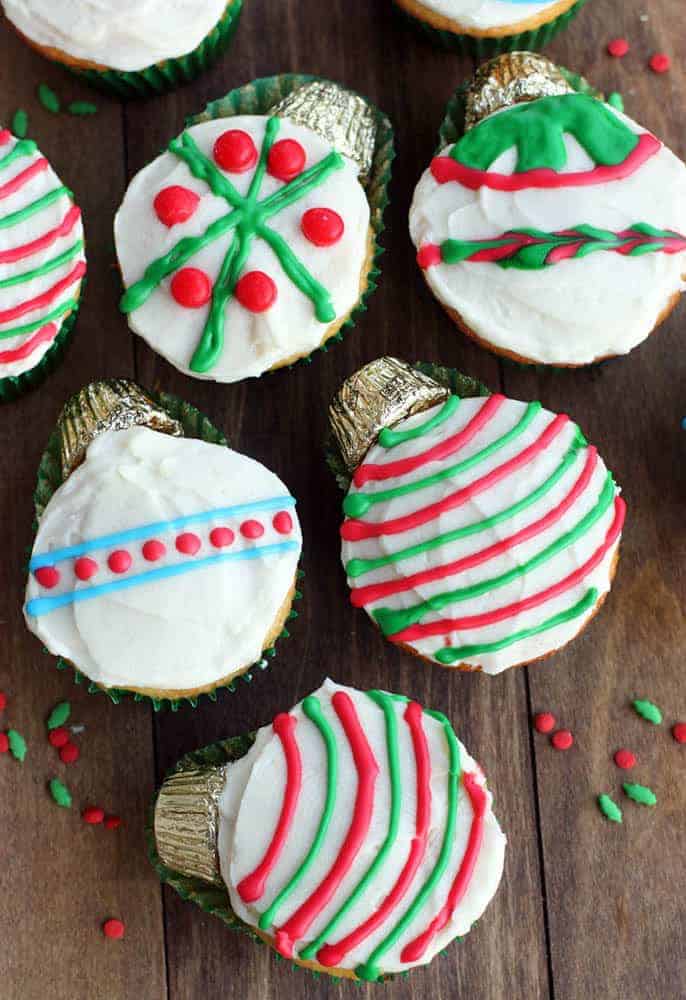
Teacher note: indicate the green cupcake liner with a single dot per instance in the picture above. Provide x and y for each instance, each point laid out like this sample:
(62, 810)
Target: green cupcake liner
(171, 73)
(16, 385)
(195, 425)
(486, 48)
(257, 98)
(459, 384)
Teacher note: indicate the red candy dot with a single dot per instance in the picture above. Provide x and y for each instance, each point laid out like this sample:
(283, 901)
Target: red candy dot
(3, 701)
(4, 743)
(235, 151)
(221, 537)
(153, 550)
(429, 255)
(618, 47)
(191, 288)
(58, 737)
(119, 561)
(283, 522)
(112, 822)
(69, 753)
(544, 722)
(679, 732)
(113, 929)
(85, 568)
(188, 543)
(175, 204)
(660, 62)
(47, 576)
(252, 529)
(562, 739)
(624, 759)
(322, 226)
(286, 159)
(256, 291)
(93, 815)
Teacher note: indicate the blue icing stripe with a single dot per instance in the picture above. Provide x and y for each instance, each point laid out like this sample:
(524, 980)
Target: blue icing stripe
(145, 530)
(44, 605)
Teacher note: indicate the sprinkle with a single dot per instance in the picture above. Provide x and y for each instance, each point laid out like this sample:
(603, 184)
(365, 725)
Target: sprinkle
(625, 759)
(58, 737)
(93, 815)
(679, 732)
(60, 793)
(82, 108)
(3, 701)
(112, 822)
(660, 62)
(17, 744)
(48, 98)
(69, 753)
(609, 809)
(59, 715)
(639, 793)
(544, 722)
(20, 123)
(615, 100)
(113, 929)
(562, 739)
(648, 711)
(618, 47)
(4, 743)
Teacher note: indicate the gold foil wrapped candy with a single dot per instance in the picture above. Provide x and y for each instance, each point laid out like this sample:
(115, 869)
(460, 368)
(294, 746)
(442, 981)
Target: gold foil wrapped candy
(186, 822)
(510, 79)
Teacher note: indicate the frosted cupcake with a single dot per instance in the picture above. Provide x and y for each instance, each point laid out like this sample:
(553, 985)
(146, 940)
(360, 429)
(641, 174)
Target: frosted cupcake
(129, 47)
(355, 835)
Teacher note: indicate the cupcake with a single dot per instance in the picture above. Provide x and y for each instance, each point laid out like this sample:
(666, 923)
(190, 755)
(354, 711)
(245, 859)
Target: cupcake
(128, 47)
(552, 229)
(42, 265)
(184, 547)
(355, 836)
(250, 242)
(481, 533)
(487, 27)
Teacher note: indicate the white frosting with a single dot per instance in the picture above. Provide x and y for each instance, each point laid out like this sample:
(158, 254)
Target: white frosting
(22, 233)
(178, 633)
(254, 342)
(576, 311)
(488, 13)
(118, 34)
(485, 504)
(251, 803)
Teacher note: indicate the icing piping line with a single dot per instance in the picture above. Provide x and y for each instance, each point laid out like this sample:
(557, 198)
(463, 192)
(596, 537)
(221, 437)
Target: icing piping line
(47, 333)
(22, 214)
(47, 297)
(389, 438)
(23, 178)
(13, 254)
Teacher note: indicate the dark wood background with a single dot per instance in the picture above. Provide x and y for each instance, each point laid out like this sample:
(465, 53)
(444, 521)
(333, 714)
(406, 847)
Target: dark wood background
(586, 909)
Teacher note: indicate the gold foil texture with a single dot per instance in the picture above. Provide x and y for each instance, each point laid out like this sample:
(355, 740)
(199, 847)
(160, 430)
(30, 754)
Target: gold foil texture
(510, 79)
(342, 118)
(186, 822)
(379, 395)
(110, 404)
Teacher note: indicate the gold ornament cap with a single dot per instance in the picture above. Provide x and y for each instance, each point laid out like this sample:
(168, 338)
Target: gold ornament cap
(344, 119)
(510, 79)
(186, 822)
(379, 395)
(108, 405)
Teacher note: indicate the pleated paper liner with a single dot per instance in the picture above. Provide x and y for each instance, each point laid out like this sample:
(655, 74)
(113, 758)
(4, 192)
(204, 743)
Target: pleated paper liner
(257, 98)
(486, 48)
(195, 425)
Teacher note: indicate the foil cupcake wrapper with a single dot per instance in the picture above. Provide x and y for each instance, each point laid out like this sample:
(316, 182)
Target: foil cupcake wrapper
(511, 79)
(186, 821)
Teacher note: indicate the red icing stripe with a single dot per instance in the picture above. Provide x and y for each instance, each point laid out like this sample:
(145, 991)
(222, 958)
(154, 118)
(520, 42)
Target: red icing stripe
(403, 466)
(445, 168)
(331, 955)
(354, 530)
(367, 771)
(47, 239)
(252, 886)
(360, 596)
(420, 631)
(413, 951)
(23, 178)
(5, 136)
(29, 346)
(45, 298)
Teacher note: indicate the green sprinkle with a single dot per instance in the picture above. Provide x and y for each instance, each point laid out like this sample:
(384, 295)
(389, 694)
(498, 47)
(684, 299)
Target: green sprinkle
(20, 123)
(616, 100)
(17, 744)
(59, 715)
(609, 809)
(639, 793)
(648, 711)
(60, 793)
(82, 108)
(48, 98)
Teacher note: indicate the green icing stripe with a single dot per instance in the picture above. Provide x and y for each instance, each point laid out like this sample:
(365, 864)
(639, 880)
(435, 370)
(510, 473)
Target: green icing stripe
(388, 438)
(357, 504)
(25, 147)
(35, 206)
(357, 567)
(313, 710)
(61, 309)
(385, 703)
(370, 970)
(391, 621)
(45, 268)
(451, 654)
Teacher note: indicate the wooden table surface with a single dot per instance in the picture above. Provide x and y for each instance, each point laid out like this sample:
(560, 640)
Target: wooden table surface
(586, 908)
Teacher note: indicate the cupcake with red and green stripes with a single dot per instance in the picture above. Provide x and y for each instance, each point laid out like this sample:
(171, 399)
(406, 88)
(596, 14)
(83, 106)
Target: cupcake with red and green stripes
(42, 265)
(355, 835)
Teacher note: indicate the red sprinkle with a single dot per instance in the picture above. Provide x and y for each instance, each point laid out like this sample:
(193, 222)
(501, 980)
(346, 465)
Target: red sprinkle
(322, 226)
(562, 739)
(188, 543)
(69, 753)
(191, 288)
(618, 47)
(252, 529)
(175, 204)
(112, 822)
(58, 737)
(119, 561)
(153, 550)
(660, 62)
(4, 743)
(47, 576)
(283, 522)
(85, 568)
(255, 291)
(286, 159)
(113, 929)
(93, 815)
(3, 701)
(679, 732)
(221, 537)
(428, 255)
(625, 759)
(544, 722)
(235, 151)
